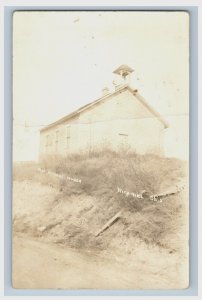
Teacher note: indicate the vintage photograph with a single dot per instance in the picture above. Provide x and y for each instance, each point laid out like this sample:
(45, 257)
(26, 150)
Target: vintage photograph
(100, 150)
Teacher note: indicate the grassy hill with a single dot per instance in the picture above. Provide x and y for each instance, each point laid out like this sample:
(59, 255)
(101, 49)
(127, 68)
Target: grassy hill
(88, 197)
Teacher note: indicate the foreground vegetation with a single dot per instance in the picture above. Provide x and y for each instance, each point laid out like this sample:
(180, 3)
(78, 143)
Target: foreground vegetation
(95, 198)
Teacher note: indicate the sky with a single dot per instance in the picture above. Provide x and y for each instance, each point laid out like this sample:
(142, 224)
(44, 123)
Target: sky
(63, 60)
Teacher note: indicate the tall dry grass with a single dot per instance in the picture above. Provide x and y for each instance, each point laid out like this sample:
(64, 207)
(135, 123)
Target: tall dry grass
(107, 170)
(101, 173)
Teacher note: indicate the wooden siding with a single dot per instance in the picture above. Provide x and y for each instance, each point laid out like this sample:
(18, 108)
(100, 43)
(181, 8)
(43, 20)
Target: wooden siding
(120, 120)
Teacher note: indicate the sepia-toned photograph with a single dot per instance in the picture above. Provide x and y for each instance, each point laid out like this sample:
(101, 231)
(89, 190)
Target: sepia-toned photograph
(100, 196)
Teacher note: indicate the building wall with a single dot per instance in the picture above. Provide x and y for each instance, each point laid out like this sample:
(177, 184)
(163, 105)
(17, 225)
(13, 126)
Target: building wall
(118, 121)
(60, 139)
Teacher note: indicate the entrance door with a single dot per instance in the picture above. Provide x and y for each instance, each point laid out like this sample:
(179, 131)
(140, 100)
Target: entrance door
(123, 140)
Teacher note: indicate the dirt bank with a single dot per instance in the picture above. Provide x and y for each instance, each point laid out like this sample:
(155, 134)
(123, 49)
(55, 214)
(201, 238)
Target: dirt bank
(54, 246)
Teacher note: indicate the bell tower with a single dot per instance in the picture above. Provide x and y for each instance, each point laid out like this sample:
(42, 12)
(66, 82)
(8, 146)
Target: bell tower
(124, 71)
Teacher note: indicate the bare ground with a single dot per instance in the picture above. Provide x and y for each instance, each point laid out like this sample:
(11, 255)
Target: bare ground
(40, 260)
(42, 265)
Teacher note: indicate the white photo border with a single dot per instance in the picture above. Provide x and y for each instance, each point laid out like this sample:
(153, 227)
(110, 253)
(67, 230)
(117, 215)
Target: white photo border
(6, 207)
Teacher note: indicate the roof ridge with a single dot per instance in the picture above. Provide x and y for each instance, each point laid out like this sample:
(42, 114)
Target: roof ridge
(122, 87)
(80, 109)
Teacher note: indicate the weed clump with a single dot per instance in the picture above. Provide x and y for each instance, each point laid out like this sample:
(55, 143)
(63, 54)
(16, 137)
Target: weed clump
(93, 197)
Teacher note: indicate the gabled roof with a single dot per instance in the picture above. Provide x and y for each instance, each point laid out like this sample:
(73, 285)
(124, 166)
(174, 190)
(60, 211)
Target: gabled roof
(89, 105)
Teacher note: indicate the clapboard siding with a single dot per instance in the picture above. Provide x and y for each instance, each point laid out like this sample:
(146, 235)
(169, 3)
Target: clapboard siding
(117, 121)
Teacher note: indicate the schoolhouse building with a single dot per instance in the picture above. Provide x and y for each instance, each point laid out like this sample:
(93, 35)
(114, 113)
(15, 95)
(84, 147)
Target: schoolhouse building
(118, 119)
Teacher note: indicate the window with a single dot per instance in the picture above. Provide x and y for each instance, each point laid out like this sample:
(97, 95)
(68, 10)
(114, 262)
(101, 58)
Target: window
(68, 135)
(56, 139)
(47, 140)
(56, 136)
